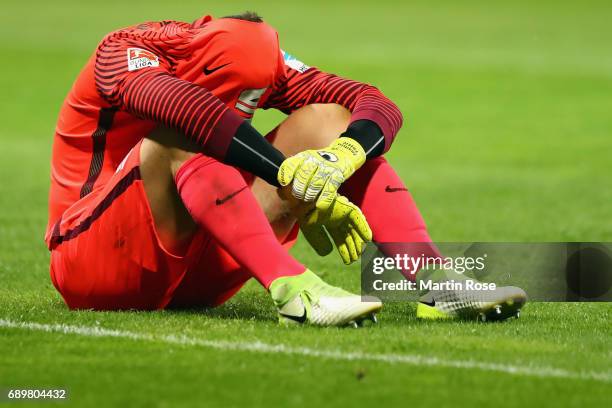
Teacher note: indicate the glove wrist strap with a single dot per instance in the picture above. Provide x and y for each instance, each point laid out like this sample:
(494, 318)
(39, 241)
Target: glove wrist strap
(352, 147)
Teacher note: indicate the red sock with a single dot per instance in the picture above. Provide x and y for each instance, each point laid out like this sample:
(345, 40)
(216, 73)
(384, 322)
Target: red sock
(397, 225)
(219, 200)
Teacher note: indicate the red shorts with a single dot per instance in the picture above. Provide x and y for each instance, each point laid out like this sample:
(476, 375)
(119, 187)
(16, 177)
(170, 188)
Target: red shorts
(106, 255)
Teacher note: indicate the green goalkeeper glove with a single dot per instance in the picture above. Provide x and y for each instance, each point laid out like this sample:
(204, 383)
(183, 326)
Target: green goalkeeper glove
(318, 174)
(344, 222)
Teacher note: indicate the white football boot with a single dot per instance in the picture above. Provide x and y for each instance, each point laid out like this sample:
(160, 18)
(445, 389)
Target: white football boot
(306, 298)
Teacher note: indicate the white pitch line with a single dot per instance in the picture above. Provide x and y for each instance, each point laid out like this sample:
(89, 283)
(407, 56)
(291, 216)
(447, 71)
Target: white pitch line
(260, 347)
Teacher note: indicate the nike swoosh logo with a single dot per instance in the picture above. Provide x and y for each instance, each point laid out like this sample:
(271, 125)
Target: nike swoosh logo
(225, 199)
(432, 303)
(390, 189)
(210, 71)
(299, 319)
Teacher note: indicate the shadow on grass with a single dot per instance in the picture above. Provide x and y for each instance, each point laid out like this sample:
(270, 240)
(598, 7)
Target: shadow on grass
(247, 306)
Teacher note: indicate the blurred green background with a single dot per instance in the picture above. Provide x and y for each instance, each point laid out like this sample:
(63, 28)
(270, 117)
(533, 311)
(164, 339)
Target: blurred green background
(507, 138)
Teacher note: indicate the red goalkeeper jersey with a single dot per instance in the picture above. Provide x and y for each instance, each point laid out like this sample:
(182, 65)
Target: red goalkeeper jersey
(202, 79)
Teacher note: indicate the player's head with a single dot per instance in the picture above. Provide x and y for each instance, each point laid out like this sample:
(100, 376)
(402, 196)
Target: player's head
(247, 16)
(248, 45)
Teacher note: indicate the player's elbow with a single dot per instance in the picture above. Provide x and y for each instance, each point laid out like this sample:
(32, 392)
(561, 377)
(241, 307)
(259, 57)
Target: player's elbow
(396, 113)
(391, 112)
(390, 115)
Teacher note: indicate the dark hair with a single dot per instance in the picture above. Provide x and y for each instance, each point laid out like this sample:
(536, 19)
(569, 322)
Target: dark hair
(247, 16)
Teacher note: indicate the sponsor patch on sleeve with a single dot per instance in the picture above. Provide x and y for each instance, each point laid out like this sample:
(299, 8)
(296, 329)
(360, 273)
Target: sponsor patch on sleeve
(294, 63)
(139, 58)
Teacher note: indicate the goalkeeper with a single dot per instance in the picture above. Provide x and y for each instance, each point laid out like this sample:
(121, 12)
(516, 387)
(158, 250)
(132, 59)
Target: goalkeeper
(154, 201)
(145, 217)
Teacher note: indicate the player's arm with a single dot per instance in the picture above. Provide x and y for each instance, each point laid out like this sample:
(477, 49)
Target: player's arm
(145, 88)
(375, 121)
(152, 93)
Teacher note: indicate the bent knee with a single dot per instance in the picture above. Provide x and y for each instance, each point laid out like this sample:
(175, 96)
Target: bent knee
(311, 127)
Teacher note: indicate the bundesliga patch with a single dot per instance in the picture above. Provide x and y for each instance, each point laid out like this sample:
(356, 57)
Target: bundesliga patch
(294, 63)
(139, 58)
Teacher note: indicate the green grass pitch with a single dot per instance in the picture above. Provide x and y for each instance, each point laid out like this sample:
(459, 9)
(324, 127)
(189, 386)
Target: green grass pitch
(506, 138)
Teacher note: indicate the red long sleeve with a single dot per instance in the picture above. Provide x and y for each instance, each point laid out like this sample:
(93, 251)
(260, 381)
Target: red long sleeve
(179, 104)
(151, 92)
(298, 88)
